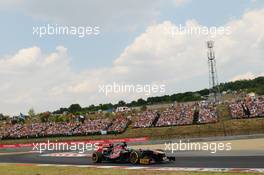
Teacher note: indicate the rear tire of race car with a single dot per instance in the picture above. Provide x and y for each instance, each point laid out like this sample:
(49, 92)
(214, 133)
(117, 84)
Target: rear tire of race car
(97, 157)
(134, 157)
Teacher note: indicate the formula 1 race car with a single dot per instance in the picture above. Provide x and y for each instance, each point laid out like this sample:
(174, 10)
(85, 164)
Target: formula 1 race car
(122, 153)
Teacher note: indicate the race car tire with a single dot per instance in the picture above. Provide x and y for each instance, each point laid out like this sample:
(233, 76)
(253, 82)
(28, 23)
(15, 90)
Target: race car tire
(134, 157)
(97, 157)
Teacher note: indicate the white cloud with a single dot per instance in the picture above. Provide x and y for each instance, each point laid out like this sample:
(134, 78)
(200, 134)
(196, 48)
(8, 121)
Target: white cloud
(31, 78)
(179, 3)
(23, 58)
(28, 76)
(246, 76)
(114, 15)
(154, 55)
(10, 3)
(105, 14)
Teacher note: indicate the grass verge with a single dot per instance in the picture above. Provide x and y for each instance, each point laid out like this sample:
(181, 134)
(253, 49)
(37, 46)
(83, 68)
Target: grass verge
(9, 169)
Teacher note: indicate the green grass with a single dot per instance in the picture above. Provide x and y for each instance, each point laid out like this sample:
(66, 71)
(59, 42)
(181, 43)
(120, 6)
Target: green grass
(12, 169)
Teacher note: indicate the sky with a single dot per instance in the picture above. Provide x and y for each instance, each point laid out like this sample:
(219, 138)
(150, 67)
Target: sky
(135, 46)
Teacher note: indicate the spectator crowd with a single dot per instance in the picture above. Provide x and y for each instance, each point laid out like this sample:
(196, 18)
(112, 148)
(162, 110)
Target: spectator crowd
(207, 113)
(45, 129)
(180, 114)
(92, 126)
(119, 124)
(145, 119)
(247, 108)
(175, 115)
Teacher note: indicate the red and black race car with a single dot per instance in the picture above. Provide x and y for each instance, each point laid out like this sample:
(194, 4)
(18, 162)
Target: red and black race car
(122, 153)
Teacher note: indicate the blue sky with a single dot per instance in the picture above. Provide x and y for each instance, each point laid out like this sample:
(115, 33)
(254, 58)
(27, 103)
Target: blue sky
(120, 52)
(100, 50)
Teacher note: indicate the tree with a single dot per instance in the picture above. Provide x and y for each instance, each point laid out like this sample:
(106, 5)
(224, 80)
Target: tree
(133, 103)
(260, 90)
(106, 106)
(31, 113)
(44, 117)
(121, 103)
(141, 102)
(61, 111)
(75, 108)
(2, 117)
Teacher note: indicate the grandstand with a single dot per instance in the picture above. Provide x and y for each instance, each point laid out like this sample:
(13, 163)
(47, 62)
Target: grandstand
(180, 114)
(249, 107)
(146, 119)
(175, 115)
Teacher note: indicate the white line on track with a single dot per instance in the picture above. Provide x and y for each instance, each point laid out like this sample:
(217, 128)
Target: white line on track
(69, 154)
(17, 153)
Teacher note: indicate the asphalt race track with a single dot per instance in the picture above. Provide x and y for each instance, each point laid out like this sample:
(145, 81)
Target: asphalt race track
(197, 162)
(246, 153)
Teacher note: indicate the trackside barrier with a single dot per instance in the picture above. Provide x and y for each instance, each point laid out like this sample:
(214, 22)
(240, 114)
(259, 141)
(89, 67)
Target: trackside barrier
(140, 139)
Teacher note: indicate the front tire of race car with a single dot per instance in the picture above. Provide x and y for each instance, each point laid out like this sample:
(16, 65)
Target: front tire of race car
(97, 157)
(134, 157)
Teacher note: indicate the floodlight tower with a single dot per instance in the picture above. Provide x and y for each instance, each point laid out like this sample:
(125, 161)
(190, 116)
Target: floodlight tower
(213, 81)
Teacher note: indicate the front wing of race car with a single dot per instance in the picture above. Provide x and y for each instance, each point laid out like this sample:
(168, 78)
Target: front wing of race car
(147, 161)
(153, 156)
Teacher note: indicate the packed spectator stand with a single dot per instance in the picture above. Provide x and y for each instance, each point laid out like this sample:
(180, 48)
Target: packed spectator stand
(176, 115)
(92, 126)
(207, 113)
(47, 129)
(180, 114)
(119, 124)
(145, 119)
(248, 107)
